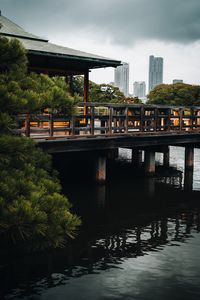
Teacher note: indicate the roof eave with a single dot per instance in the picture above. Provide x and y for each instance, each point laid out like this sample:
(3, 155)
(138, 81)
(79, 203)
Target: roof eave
(99, 61)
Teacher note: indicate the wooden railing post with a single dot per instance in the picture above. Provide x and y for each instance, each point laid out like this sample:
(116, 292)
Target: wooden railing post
(191, 119)
(168, 120)
(51, 124)
(92, 120)
(126, 120)
(72, 126)
(142, 118)
(27, 125)
(155, 119)
(110, 120)
(180, 118)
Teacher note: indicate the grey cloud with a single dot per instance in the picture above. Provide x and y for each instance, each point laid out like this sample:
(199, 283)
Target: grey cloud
(123, 22)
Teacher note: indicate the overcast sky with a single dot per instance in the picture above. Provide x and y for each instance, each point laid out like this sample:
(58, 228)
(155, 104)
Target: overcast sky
(128, 30)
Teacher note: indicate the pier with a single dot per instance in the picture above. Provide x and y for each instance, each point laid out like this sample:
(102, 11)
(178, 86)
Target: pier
(107, 127)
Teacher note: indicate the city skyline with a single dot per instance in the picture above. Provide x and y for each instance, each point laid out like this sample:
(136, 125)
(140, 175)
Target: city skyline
(130, 31)
(121, 78)
(139, 89)
(155, 71)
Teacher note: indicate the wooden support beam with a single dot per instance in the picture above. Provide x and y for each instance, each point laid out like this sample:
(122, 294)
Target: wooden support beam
(180, 118)
(189, 157)
(110, 120)
(188, 180)
(126, 120)
(86, 90)
(92, 120)
(142, 118)
(166, 158)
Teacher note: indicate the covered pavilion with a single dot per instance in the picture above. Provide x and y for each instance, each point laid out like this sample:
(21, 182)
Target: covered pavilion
(54, 60)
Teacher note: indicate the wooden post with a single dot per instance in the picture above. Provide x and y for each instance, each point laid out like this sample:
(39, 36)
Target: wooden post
(189, 158)
(180, 118)
(110, 120)
(188, 180)
(126, 120)
(72, 126)
(168, 120)
(100, 172)
(149, 162)
(51, 124)
(142, 118)
(155, 119)
(86, 90)
(166, 157)
(92, 120)
(27, 125)
(191, 119)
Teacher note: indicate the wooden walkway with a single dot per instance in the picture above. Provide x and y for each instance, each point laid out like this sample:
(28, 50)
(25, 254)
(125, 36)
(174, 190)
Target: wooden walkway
(111, 120)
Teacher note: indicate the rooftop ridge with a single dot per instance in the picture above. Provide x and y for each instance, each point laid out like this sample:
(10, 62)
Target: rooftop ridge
(10, 28)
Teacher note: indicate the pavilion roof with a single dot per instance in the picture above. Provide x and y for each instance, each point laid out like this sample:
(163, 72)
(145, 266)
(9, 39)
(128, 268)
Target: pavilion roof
(40, 47)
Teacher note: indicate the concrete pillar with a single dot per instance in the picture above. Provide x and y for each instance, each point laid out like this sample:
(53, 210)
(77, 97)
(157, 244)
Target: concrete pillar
(149, 162)
(136, 157)
(100, 171)
(188, 180)
(189, 158)
(166, 159)
(100, 195)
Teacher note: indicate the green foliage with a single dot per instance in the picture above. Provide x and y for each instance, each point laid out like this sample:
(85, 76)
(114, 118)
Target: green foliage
(105, 93)
(21, 92)
(133, 100)
(175, 94)
(13, 60)
(31, 206)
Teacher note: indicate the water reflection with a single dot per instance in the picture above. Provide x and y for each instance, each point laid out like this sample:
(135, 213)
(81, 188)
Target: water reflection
(96, 254)
(136, 233)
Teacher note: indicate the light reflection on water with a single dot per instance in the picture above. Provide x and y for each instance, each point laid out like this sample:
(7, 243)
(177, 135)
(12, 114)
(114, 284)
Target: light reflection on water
(140, 240)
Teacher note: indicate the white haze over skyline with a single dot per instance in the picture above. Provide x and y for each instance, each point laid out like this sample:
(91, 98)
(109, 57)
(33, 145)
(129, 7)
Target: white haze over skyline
(128, 30)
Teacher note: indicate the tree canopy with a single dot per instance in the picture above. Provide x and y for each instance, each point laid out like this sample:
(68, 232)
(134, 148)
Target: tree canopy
(32, 207)
(175, 94)
(103, 93)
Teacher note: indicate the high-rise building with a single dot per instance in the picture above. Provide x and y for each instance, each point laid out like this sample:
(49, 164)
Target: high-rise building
(177, 81)
(122, 78)
(155, 71)
(139, 89)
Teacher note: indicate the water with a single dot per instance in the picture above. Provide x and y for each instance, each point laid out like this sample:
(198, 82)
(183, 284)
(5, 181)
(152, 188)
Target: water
(139, 239)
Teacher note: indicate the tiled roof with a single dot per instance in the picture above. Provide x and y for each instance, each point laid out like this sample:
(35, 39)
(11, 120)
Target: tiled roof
(35, 44)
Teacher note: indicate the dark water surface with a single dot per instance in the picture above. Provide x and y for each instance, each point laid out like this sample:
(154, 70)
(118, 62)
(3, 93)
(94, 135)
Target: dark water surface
(139, 239)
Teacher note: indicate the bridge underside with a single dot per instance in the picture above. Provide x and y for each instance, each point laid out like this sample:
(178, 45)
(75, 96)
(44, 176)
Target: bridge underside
(135, 141)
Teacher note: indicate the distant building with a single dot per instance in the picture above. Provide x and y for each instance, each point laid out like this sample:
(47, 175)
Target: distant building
(139, 89)
(122, 78)
(155, 71)
(177, 81)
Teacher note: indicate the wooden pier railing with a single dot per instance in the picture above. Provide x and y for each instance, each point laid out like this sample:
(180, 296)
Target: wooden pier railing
(111, 119)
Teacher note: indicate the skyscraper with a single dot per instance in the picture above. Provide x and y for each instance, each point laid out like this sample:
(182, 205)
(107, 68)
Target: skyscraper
(122, 78)
(139, 89)
(155, 71)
